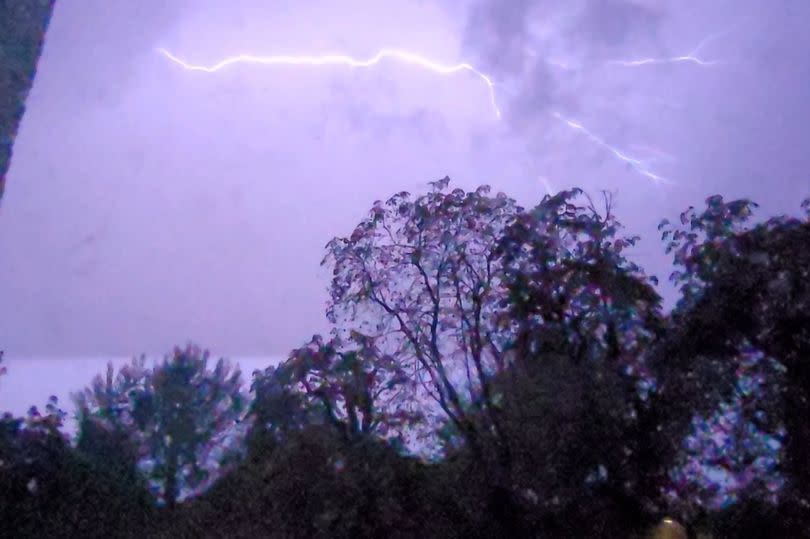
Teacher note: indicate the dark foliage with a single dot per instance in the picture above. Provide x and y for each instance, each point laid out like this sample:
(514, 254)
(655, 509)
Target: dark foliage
(317, 484)
(49, 489)
(169, 416)
(493, 372)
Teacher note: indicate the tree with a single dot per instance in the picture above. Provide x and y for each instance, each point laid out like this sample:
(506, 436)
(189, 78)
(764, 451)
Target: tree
(744, 288)
(570, 286)
(48, 488)
(175, 413)
(575, 400)
(347, 384)
(473, 294)
(106, 427)
(420, 275)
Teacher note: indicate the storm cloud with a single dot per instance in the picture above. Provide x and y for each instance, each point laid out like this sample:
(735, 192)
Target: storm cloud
(736, 125)
(148, 205)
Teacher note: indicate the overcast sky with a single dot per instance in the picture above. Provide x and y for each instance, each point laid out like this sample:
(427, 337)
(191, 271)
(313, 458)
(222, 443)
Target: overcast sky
(148, 205)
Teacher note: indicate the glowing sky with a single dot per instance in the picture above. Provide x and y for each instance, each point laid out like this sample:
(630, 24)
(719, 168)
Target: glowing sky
(147, 204)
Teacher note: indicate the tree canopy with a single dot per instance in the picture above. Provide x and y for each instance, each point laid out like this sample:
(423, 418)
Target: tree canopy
(171, 415)
(491, 370)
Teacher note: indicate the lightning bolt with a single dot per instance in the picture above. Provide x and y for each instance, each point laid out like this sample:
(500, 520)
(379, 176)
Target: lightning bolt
(413, 59)
(689, 58)
(656, 153)
(344, 60)
(635, 164)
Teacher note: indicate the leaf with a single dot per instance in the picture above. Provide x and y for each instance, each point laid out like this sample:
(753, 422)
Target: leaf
(714, 201)
(439, 185)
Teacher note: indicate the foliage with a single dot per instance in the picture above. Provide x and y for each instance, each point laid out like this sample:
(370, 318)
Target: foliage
(174, 414)
(571, 402)
(318, 484)
(48, 489)
(421, 275)
(348, 384)
(569, 281)
(526, 342)
(745, 296)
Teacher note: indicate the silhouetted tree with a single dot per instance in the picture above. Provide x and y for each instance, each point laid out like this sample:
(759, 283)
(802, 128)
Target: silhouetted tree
(468, 288)
(175, 414)
(745, 292)
(50, 489)
(577, 384)
(106, 428)
(346, 383)
(525, 341)
(421, 276)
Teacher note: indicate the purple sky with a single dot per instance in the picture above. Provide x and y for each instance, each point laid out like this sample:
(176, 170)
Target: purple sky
(147, 205)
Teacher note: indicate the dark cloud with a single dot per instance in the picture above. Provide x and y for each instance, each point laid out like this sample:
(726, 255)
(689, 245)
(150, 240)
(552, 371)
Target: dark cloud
(498, 32)
(737, 127)
(540, 92)
(608, 25)
(501, 33)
